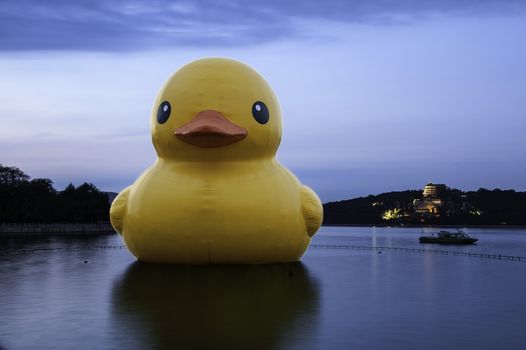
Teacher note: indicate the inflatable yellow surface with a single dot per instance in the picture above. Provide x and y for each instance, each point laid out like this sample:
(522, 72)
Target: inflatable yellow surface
(216, 193)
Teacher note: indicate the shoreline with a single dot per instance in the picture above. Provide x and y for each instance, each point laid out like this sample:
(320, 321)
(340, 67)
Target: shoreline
(55, 229)
(105, 228)
(426, 226)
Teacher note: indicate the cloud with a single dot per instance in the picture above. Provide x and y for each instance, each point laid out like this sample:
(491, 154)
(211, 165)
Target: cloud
(112, 26)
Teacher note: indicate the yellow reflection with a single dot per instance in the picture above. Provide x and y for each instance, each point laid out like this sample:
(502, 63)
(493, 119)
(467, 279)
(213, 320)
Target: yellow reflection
(216, 307)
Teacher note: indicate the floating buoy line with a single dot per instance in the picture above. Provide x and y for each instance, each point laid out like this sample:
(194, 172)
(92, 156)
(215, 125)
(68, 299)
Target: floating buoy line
(312, 246)
(58, 250)
(419, 250)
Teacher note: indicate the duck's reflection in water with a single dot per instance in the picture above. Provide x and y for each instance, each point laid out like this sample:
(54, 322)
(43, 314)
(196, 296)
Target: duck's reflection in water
(215, 307)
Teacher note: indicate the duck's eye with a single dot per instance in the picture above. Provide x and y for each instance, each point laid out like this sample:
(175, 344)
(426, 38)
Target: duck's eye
(260, 112)
(163, 113)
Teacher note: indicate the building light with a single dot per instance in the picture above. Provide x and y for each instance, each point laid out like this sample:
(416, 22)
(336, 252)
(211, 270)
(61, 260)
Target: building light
(391, 214)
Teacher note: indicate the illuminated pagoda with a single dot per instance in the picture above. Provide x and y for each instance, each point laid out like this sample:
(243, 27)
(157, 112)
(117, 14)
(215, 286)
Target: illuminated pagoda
(432, 200)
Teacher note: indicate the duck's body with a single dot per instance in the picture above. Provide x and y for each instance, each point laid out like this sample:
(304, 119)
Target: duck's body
(226, 213)
(217, 203)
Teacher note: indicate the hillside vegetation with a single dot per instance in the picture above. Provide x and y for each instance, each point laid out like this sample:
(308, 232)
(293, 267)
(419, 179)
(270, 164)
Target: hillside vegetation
(26, 200)
(482, 207)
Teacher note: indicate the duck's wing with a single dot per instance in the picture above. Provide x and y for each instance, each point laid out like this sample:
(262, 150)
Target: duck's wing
(118, 209)
(312, 210)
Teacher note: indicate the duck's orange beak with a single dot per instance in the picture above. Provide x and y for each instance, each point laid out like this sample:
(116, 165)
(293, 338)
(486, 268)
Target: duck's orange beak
(210, 129)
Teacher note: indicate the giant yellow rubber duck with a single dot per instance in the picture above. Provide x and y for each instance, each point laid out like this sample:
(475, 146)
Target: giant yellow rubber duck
(216, 193)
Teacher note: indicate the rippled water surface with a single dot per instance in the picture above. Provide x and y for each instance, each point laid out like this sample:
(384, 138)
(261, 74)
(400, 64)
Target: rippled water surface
(89, 293)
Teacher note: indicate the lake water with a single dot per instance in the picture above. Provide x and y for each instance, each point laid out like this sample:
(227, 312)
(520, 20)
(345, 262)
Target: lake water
(87, 293)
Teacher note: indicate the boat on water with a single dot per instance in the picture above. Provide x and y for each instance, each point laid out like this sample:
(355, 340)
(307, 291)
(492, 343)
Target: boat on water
(446, 237)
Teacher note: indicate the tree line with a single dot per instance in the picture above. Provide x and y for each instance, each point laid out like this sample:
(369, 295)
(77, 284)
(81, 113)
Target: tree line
(481, 207)
(24, 200)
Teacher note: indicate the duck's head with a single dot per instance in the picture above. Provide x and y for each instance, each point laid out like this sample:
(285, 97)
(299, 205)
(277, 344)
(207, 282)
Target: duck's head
(216, 109)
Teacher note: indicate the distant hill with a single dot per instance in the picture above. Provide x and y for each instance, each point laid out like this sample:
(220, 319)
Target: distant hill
(366, 210)
(455, 207)
(111, 196)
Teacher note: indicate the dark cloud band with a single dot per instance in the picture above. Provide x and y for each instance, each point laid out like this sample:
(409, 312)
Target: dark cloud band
(98, 25)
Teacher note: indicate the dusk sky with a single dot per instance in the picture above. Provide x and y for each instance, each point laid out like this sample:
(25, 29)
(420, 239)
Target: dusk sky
(376, 95)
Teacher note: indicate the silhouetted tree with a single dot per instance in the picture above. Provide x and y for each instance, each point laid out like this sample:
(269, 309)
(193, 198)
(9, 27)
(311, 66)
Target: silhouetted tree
(26, 200)
(12, 193)
(84, 203)
(12, 175)
(41, 201)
